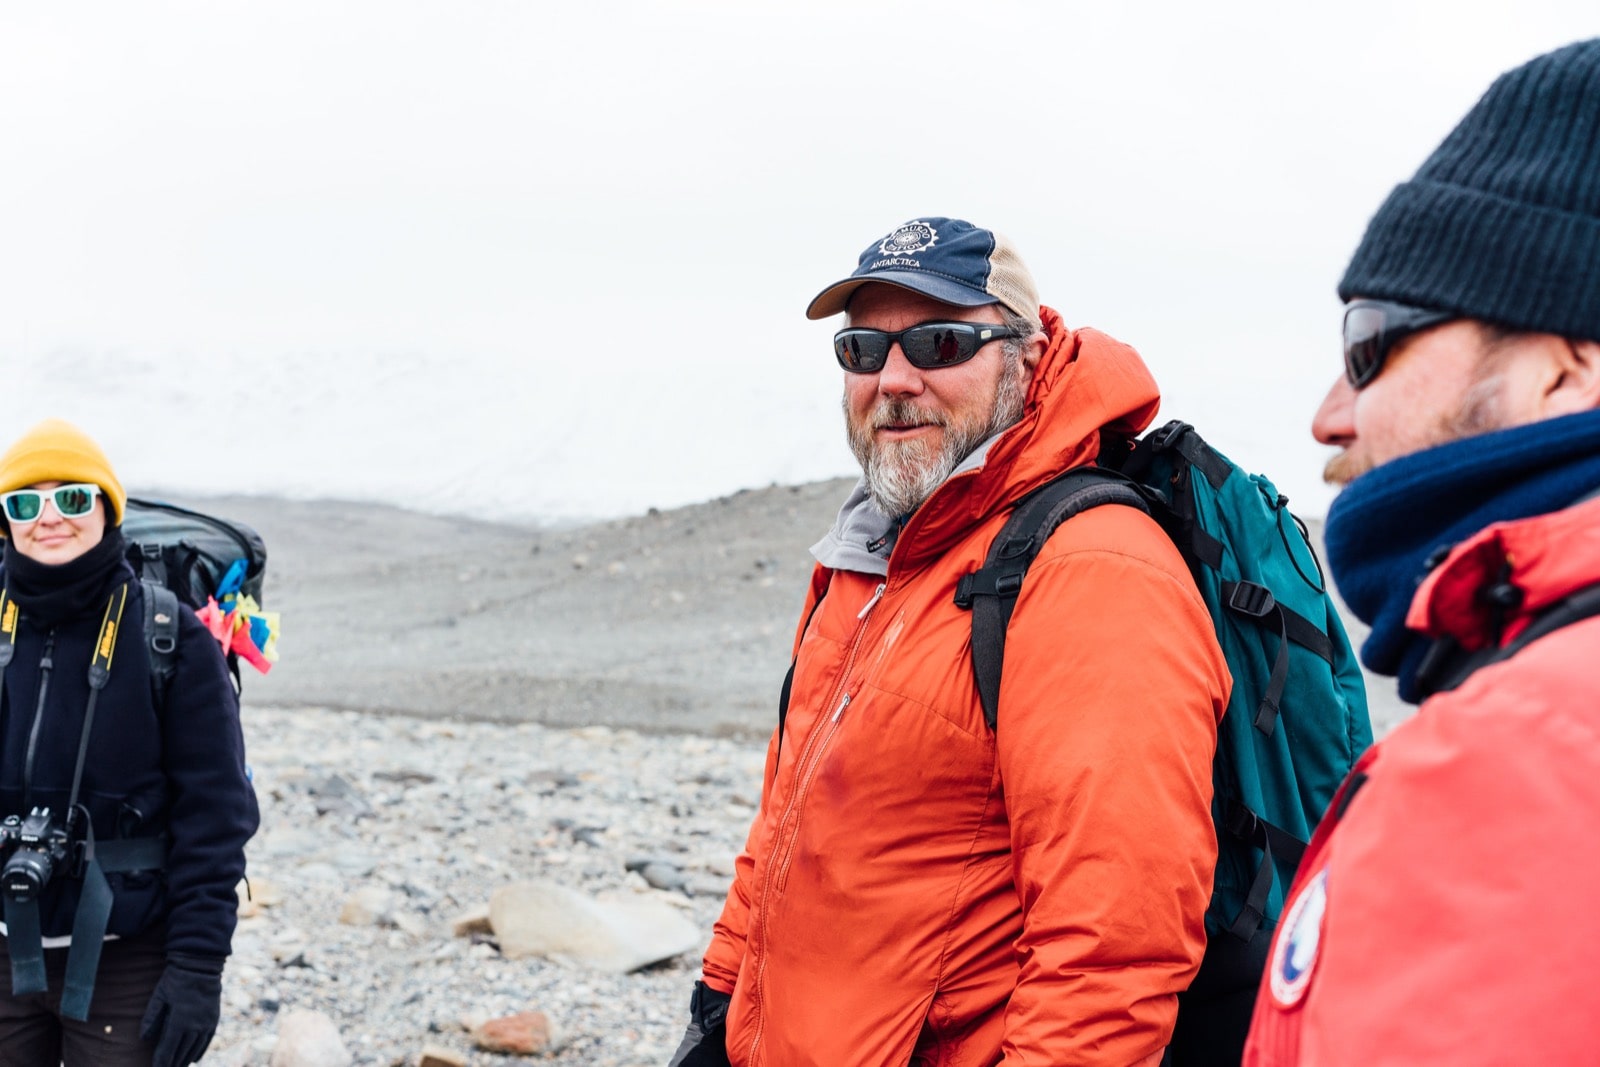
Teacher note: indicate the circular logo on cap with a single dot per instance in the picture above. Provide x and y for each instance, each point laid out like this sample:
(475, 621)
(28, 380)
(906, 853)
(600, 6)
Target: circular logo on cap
(1294, 955)
(912, 237)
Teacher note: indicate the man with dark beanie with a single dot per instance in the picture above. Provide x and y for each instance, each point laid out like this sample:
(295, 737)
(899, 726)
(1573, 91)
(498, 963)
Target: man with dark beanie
(1445, 911)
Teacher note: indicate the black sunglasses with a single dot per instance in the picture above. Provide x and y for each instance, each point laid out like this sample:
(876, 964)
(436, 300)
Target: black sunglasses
(927, 345)
(1373, 327)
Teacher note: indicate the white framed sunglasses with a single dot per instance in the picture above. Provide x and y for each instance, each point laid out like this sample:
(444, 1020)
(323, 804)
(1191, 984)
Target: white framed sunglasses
(72, 501)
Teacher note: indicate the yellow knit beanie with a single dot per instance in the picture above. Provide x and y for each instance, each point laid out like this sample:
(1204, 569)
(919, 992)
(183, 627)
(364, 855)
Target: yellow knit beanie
(57, 451)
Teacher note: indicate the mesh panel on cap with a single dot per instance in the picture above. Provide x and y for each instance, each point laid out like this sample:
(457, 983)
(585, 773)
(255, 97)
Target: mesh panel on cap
(1009, 280)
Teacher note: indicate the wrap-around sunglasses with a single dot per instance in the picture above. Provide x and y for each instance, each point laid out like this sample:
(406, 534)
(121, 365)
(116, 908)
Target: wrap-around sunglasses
(72, 501)
(927, 345)
(1373, 327)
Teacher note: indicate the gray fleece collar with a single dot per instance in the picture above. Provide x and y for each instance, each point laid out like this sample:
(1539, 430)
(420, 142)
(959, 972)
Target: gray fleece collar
(860, 523)
(863, 537)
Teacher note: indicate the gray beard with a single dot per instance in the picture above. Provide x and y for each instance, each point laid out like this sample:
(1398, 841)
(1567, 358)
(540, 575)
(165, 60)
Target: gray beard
(901, 475)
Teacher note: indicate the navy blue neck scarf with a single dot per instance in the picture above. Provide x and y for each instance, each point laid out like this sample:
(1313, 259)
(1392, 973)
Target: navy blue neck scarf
(1386, 526)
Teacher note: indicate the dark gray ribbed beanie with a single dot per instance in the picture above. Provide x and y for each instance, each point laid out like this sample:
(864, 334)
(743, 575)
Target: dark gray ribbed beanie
(1502, 222)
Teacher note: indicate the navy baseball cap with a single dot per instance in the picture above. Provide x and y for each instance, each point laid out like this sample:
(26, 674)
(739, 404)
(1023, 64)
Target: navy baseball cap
(948, 259)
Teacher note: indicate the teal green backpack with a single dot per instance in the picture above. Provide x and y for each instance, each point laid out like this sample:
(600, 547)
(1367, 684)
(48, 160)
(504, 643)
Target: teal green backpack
(1297, 719)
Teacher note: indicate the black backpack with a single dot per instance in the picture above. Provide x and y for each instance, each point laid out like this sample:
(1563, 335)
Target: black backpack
(1296, 720)
(181, 555)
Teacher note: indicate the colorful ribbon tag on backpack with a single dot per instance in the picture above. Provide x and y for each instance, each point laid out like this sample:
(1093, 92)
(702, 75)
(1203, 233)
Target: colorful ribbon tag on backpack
(239, 624)
(232, 580)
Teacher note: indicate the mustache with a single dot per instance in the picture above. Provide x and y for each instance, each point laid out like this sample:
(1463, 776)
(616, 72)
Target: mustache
(1342, 469)
(904, 413)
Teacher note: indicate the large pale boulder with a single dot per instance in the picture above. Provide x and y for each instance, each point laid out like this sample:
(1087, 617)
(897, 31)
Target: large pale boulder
(309, 1039)
(543, 918)
(368, 906)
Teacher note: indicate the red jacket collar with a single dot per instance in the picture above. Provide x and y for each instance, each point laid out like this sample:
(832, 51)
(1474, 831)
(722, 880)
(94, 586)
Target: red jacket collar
(1546, 558)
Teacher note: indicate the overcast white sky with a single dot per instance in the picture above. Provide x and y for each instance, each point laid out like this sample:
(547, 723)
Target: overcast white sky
(553, 260)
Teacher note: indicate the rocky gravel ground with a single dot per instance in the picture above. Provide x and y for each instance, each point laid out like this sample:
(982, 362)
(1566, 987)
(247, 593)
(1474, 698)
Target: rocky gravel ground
(435, 816)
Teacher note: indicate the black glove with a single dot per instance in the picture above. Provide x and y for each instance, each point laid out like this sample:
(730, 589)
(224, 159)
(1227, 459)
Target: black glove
(184, 1009)
(705, 1041)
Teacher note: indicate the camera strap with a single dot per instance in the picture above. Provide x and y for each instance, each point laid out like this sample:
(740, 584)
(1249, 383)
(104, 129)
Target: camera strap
(99, 672)
(94, 894)
(8, 633)
(94, 912)
(23, 942)
(99, 675)
(25, 946)
(88, 937)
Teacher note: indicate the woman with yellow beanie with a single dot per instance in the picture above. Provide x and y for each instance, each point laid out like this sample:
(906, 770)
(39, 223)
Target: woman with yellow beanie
(126, 804)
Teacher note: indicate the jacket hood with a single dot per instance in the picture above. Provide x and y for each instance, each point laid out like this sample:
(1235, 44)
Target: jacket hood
(1086, 382)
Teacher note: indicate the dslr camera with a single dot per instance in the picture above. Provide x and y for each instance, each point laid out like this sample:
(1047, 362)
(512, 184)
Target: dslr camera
(35, 848)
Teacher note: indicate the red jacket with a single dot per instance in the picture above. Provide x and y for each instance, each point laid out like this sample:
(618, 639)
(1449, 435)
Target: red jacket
(920, 889)
(1451, 913)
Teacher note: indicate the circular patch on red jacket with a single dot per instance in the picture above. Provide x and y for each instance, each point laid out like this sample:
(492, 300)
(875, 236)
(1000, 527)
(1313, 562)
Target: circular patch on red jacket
(1294, 954)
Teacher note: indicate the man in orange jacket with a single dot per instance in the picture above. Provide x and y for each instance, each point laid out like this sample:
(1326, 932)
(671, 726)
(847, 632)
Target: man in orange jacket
(918, 888)
(1445, 911)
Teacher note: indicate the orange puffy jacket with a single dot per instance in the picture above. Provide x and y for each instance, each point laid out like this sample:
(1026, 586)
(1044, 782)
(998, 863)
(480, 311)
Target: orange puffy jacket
(919, 889)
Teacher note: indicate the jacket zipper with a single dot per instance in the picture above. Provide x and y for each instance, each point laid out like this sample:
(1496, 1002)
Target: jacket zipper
(806, 768)
(45, 664)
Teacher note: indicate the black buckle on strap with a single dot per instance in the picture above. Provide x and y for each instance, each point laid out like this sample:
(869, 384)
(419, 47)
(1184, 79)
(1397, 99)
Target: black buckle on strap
(1241, 823)
(987, 582)
(1167, 436)
(1248, 598)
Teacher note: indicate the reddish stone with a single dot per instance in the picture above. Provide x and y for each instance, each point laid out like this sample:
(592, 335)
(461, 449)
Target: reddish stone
(523, 1034)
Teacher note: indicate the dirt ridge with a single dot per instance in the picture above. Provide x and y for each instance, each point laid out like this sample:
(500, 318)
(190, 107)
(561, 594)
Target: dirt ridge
(677, 620)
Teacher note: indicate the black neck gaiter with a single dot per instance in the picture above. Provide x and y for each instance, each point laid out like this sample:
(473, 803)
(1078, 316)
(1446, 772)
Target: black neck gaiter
(54, 593)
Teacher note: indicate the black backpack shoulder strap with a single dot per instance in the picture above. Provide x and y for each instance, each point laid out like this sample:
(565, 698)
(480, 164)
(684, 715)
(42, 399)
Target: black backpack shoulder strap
(161, 636)
(1446, 665)
(991, 591)
(788, 679)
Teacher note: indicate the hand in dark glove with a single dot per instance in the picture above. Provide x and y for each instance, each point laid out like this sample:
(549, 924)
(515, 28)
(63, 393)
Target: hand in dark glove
(184, 1009)
(705, 1041)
